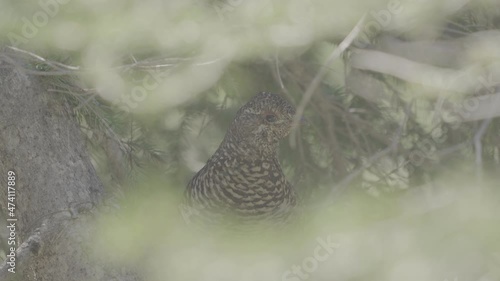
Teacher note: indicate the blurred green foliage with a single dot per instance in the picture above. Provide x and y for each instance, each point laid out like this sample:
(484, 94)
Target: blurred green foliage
(155, 84)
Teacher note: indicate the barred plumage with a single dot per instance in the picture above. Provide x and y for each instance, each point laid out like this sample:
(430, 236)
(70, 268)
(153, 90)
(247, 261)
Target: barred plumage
(243, 179)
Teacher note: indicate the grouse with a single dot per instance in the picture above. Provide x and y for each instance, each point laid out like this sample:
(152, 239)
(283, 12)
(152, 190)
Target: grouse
(243, 180)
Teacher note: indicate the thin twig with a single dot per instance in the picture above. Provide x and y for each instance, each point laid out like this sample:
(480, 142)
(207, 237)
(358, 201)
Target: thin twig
(311, 89)
(278, 75)
(478, 147)
(51, 63)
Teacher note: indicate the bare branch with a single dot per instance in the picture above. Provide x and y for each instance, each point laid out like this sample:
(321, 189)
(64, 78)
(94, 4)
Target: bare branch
(462, 81)
(311, 89)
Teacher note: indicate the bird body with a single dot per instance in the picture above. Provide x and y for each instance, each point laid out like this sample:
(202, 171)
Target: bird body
(243, 180)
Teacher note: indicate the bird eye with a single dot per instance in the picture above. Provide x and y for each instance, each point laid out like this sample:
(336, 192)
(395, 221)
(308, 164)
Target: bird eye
(271, 118)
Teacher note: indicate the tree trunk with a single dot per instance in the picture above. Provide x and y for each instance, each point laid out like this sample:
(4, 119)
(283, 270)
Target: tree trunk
(56, 187)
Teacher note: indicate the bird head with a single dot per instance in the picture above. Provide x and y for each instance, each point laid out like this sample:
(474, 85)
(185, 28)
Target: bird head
(263, 121)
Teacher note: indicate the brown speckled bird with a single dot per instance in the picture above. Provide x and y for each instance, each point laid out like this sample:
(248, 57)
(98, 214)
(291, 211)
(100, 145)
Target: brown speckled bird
(243, 179)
